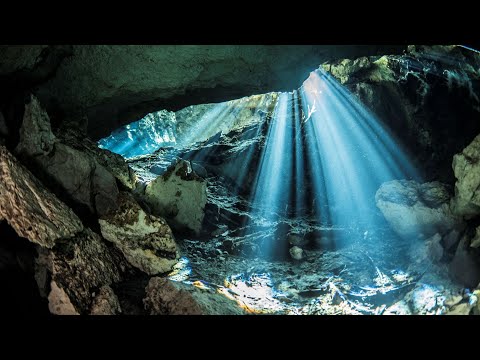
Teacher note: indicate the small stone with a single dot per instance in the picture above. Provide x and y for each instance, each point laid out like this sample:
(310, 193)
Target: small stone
(221, 258)
(296, 253)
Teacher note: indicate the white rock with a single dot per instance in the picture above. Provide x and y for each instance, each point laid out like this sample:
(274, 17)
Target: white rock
(296, 253)
(180, 196)
(412, 208)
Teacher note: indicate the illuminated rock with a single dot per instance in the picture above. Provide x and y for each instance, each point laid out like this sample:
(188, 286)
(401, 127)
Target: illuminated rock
(166, 297)
(466, 166)
(296, 253)
(58, 301)
(412, 208)
(146, 241)
(180, 196)
(30, 209)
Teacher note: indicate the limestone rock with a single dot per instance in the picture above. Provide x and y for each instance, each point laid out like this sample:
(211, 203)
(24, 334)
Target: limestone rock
(70, 173)
(106, 303)
(86, 182)
(451, 239)
(33, 212)
(79, 267)
(296, 253)
(58, 301)
(146, 241)
(36, 137)
(114, 163)
(180, 196)
(460, 309)
(475, 243)
(465, 266)
(466, 167)
(412, 208)
(166, 297)
(434, 247)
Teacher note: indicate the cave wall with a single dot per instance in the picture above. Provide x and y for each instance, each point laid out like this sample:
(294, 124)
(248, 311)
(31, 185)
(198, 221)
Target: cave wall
(117, 84)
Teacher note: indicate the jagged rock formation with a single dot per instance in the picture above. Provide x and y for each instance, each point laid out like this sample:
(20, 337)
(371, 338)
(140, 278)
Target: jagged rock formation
(35, 213)
(413, 209)
(78, 268)
(166, 297)
(180, 196)
(75, 176)
(466, 166)
(146, 241)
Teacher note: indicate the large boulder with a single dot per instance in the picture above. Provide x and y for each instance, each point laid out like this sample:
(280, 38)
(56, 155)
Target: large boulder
(146, 241)
(466, 166)
(30, 209)
(180, 196)
(72, 174)
(167, 297)
(78, 268)
(412, 208)
(114, 163)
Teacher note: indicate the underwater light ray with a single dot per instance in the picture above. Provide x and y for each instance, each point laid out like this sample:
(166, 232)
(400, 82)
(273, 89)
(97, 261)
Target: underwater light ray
(314, 155)
(268, 197)
(344, 185)
(382, 136)
(376, 160)
(299, 188)
(242, 164)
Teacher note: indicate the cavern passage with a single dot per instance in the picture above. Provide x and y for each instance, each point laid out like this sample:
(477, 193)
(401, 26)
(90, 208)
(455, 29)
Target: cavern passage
(240, 180)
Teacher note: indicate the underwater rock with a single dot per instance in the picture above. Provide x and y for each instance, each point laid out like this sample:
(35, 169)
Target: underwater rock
(146, 241)
(70, 173)
(86, 182)
(79, 267)
(434, 247)
(29, 208)
(412, 208)
(466, 166)
(36, 137)
(296, 239)
(460, 309)
(58, 301)
(166, 297)
(451, 239)
(475, 242)
(114, 163)
(465, 265)
(296, 253)
(180, 196)
(105, 303)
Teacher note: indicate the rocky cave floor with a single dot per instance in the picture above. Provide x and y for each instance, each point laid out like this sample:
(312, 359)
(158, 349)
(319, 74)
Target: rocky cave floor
(374, 272)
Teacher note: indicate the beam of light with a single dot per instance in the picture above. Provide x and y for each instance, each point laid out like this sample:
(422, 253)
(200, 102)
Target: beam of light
(350, 154)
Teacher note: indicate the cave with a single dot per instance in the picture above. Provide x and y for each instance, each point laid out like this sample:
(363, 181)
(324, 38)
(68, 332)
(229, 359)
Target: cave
(240, 180)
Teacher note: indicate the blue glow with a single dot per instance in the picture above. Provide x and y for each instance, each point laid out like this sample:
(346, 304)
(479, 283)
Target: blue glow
(145, 136)
(350, 153)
